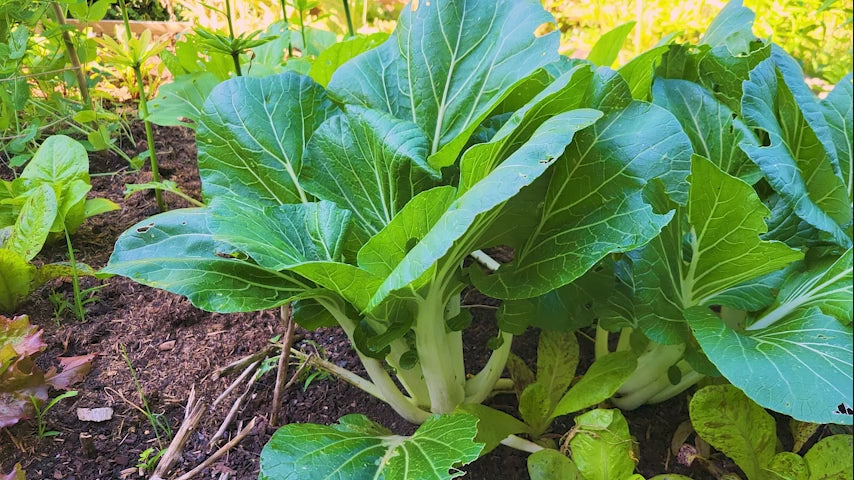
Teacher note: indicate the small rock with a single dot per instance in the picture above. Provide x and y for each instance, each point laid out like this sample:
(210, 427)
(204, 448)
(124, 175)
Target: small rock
(165, 346)
(94, 414)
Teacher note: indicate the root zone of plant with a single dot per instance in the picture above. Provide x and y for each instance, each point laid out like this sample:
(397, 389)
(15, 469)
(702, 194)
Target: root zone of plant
(175, 347)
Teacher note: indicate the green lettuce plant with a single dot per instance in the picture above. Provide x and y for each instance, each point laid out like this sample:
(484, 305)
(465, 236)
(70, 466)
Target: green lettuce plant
(359, 203)
(48, 201)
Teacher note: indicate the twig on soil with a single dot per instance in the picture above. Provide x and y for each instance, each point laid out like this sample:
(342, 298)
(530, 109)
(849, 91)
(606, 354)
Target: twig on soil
(231, 413)
(222, 451)
(282, 370)
(243, 362)
(249, 370)
(192, 415)
(15, 441)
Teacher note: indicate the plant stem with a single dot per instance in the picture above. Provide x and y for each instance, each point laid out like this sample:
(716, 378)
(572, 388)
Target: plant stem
(349, 18)
(75, 280)
(149, 137)
(235, 54)
(447, 390)
(125, 19)
(287, 25)
(520, 443)
(59, 15)
(479, 387)
(304, 50)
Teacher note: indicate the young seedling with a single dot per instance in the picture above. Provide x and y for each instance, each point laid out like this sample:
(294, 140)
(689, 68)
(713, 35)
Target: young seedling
(40, 413)
(159, 424)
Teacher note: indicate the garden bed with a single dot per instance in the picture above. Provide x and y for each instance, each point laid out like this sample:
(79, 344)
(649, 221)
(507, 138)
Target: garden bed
(175, 347)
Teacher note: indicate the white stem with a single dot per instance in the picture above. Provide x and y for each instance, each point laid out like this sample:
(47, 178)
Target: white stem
(438, 361)
(651, 365)
(600, 346)
(490, 263)
(520, 443)
(480, 386)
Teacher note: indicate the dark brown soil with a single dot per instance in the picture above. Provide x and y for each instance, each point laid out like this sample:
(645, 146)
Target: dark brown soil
(144, 322)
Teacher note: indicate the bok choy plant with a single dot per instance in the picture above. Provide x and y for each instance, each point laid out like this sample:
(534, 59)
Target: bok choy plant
(751, 278)
(359, 203)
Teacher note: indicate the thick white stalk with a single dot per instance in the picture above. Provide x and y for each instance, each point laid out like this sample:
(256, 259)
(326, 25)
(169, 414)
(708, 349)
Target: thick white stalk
(438, 360)
(654, 362)
(412, 379)
(520, 443)
(480, 386)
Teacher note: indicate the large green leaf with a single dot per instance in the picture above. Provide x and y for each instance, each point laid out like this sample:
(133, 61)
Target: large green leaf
(180, 103)
(795, 162)
(252, 134)
(59, 160)
(359, 449)
(826, 285)
(465, 215)
(493, 425)
(731, 28)
(724, 73)
(837, 107)
(15, 278)
(176, 252)
(723, 416)
(368, 162)
(605, 51)
(447, 65)
(714, 130)
(724, 220)
(283, 236)
(602, 445)
(597, 200)
(34, 223)
(333, 57)
(640, 70)
(789, 362)
(557, 359)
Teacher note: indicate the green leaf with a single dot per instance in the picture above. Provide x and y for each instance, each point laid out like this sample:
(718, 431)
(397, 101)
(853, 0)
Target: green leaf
(520, 373)
(567, 308)
(788, 466)
(837, 108)
(15, 277)
(754, 294)
(310, 315)
(604, 53)
(176, 252)
(280, 237)
(441, 52)
(599, 383)
(59, 160)
(180, 103)
(333, 57)
(252, 130)
(795, 162)
(535, 407)
(732, 28)
(830, 458)
(602, 445)
(517, 171)
(493, 425)
(722, 72)
(714, 130)
(97, 206)
(723, 416)
(34, 223)
(826, 285)
(357, 448)
(726, 218)
(368, 162)
(624, 158)
(557, 359)
(72, 206)
(640, 70)
(803, 353)
(550, 464)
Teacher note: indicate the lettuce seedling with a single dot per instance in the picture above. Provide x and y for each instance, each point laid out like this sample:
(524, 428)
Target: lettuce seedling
(47, 201)
(359, 203)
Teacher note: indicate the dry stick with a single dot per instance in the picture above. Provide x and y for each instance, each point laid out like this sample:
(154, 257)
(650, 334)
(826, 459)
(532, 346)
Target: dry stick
(222, 451)
(192, 415)
(59, 15)
(282, 371)
(243, 362)
(232, 412)
(250, 369)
